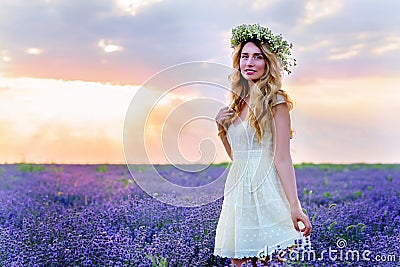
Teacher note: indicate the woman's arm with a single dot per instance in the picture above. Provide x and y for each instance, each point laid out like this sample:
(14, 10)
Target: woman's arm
(284, 165)
(221, 117)
(226, 144)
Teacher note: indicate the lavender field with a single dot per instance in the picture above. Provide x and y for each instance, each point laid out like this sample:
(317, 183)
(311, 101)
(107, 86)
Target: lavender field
(96, 215)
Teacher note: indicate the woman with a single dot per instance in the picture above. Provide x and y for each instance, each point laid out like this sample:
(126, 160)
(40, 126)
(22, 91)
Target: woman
(261, 211)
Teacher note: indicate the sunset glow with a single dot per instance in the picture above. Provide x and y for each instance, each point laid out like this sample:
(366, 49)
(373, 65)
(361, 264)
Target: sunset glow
(65, 90)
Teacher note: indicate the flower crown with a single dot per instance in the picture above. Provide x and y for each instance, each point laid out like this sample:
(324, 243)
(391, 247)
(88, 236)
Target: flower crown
(276, 43)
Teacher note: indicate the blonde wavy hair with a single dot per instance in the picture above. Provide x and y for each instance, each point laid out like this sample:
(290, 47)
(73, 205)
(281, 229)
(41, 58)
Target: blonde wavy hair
(263, 92)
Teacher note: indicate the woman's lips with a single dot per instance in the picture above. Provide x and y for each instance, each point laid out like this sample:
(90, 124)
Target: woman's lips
(250, 72)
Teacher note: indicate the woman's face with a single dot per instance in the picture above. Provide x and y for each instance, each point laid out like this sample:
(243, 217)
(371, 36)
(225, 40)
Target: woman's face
(252, 63)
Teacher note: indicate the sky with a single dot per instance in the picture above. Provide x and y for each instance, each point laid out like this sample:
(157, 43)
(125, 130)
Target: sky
(70, 71)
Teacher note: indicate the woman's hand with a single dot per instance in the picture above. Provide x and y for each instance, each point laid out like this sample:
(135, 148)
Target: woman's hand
(298, 216)
(222, 116)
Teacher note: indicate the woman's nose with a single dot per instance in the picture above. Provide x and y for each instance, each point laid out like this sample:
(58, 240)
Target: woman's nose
(250, 61)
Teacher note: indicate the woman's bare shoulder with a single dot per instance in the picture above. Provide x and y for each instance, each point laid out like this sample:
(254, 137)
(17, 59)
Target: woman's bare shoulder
(279, 98)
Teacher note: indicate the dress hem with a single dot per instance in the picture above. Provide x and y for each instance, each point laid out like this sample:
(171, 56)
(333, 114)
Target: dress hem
(251, 254)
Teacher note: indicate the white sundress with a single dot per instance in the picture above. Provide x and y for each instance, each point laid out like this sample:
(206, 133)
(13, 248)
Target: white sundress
(255, 215)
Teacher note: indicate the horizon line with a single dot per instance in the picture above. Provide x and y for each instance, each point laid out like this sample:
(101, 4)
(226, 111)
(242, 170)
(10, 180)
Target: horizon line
(217, 163)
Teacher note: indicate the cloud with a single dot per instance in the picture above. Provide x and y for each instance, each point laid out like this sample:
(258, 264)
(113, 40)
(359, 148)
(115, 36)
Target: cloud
(391, 43)
(317, 9)
(261, 4)
(5, 56)
(165, 33)
(34, 51)
(327, 49)
(36, 101)
(346, 55)
(132, 7)
(62, 121)
(348, 52)
(108, 46)
(315, 46)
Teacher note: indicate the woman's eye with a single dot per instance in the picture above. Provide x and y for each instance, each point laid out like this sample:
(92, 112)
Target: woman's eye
(244, 56)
